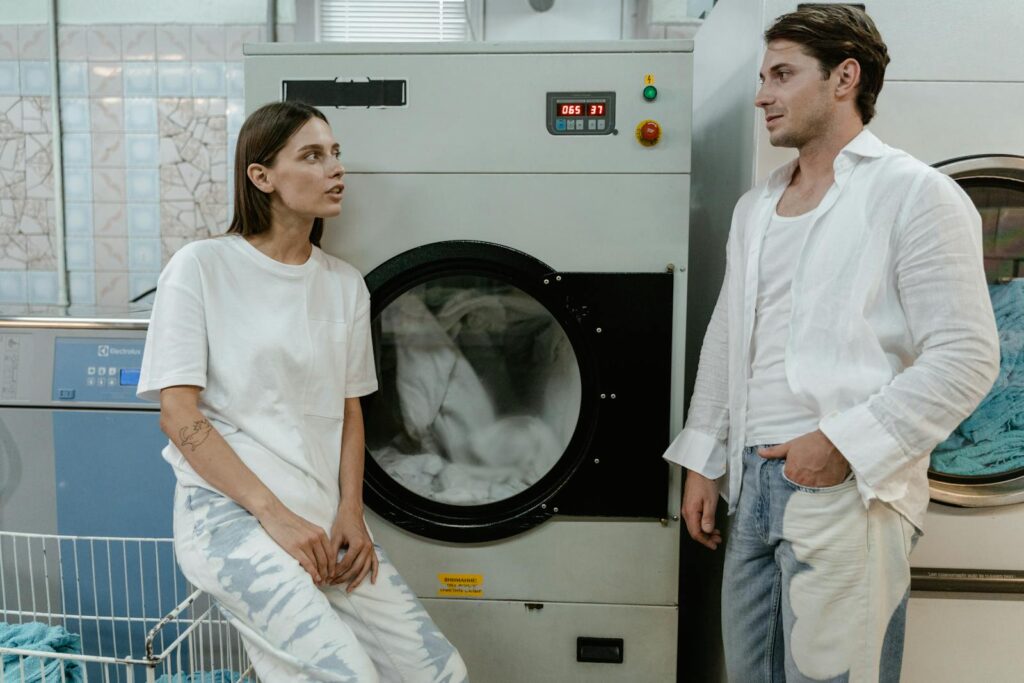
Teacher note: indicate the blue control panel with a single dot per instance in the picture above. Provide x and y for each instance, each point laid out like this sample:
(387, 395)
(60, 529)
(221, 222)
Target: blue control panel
(97, 370)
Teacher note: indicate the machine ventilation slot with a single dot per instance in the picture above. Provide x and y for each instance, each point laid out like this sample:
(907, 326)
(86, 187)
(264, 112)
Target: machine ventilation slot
(600, 650)
(368, 93)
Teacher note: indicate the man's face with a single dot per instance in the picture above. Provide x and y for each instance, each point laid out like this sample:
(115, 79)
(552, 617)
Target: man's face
(797, 102)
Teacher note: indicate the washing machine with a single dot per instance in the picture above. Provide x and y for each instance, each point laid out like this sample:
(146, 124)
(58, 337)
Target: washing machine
(80, 469)
(519, 212)
(952, 97)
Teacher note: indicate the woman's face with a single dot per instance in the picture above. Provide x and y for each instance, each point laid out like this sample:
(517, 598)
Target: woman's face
(306, 175)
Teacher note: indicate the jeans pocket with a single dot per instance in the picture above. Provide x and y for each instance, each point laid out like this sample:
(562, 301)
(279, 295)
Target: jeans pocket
(848, 483)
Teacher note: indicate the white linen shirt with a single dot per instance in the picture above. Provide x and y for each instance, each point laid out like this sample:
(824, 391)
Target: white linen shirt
(891, 334)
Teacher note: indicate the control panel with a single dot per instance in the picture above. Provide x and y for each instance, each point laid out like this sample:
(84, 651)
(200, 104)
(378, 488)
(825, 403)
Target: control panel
(96, 370)
(581, 113)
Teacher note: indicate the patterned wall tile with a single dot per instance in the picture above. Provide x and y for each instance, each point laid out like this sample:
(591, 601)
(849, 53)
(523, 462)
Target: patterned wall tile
(109, 220)
(108, 150)
(107, 114)
(140, 79)
(173, 43)
(77, 184)
(139, 42)
(141, 282)
(111, 288)
(105, 79)
(109, 185)
(35, 78)
(236, 36)
(208, 79)
(143, 254)
(111, 253)
(9, 41)
(234, 77)
(72, 43)
(10, 78)
(74, 79)
(33, 41)
(208, 43)
(40, 252)
(13, 286)
(77, 149)
(104, 43)
(78, 219)
(74, 115)
(174, 79)
(170, 244)
(42, 287)
(13, 252)
(35, 115)
(144, 220)
(36, 216)
(83, 288)
(143, 185)
(142, 150)
(140, 115)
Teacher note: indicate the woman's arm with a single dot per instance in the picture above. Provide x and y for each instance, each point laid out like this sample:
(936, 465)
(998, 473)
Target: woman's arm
(349, 530)
(215, 461)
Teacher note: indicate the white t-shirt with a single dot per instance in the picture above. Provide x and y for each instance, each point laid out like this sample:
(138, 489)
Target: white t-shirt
(276, 348)
(774, 413)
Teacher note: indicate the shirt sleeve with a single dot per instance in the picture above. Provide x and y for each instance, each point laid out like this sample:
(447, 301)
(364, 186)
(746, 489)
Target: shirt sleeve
(361, 377)
(176, 343)
(943, 292)
(702, 445)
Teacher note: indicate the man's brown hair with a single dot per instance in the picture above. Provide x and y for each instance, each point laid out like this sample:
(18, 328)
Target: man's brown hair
(832, 34)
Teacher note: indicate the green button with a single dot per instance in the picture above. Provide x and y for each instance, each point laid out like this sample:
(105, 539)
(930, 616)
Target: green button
(650, 93)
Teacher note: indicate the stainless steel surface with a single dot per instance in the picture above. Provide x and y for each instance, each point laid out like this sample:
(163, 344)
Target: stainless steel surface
(966, 580)
(1007, 492)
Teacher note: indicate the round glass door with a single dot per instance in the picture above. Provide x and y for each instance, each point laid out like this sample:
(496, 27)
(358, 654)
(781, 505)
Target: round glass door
(486, 391)
(982, 462)
(482, 413)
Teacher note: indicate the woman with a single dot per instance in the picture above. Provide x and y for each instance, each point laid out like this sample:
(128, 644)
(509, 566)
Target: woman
(258, 349)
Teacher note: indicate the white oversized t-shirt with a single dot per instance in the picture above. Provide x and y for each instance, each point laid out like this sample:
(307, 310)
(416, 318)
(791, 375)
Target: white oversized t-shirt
(276, 348)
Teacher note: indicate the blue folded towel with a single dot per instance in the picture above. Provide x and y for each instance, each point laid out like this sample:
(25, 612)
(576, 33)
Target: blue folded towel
(41, 638)
(991, 440)
(218, 676)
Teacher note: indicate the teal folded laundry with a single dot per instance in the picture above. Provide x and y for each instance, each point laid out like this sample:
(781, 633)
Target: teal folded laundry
(991, 440)
(218, 676)
(40, 638)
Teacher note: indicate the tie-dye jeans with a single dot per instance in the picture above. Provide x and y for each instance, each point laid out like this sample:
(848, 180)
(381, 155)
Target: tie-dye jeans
(815, 585)
(293, 630)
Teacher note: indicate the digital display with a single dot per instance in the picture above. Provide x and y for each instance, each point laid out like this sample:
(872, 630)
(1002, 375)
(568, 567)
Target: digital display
(130, 376)
(570, 109)
(595, 109)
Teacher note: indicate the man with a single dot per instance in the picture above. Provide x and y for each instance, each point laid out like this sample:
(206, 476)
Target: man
(852, 334)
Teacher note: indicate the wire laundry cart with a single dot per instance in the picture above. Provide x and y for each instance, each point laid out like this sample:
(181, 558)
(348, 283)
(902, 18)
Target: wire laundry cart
(109, 610)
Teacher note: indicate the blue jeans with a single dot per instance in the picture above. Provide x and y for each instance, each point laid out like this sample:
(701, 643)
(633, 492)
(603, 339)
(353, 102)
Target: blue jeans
(815, 585)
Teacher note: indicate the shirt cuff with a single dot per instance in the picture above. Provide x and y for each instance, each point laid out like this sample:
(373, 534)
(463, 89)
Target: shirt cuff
(875, 456)
(698, 452)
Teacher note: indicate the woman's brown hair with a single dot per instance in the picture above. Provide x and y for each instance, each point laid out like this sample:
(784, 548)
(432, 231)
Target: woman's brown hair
(262, 136)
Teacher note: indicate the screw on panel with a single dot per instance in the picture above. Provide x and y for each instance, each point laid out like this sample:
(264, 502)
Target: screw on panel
(599, 330)
(675, 518)
(543, 506)
(546, 281)
(597, 461)
(670, 268)
(664, 522)
(602, 395)
(558, 278)
(555, 510)
(613, 395)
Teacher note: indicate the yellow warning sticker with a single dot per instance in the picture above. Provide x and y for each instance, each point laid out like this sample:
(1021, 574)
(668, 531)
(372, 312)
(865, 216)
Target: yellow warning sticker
(461, 585)
(649, 79)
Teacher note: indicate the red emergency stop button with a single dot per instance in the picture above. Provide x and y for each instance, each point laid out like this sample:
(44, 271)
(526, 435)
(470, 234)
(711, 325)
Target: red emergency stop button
(648, 132)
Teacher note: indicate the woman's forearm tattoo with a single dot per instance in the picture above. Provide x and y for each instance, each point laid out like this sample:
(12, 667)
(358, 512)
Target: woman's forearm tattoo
(195, 435)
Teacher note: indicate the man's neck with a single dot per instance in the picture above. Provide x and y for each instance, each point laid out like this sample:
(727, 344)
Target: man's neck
(815, 163)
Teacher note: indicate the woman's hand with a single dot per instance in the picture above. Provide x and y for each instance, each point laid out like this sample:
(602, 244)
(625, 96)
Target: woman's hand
(349, 531)
(303, 540)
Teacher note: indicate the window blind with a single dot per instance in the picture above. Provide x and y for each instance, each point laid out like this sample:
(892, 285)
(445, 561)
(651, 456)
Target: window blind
(392, 20)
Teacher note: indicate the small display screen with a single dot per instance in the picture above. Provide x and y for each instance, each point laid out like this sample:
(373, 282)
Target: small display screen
(130, 376)
(570, 108)
(595, 109)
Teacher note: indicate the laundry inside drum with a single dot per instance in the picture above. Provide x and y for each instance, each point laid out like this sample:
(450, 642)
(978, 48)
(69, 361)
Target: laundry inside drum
(480, 391)
(989, 444)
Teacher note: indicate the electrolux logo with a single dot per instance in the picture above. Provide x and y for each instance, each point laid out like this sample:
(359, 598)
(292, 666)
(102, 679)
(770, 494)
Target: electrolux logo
(106, 350)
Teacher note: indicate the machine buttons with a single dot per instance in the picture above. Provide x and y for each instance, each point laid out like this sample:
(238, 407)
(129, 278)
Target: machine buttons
(559, 124)
(101, 370)
(600, 124)
(650, 93)
(648, 132)
(592, 124)
(65, 394)
(91, 370)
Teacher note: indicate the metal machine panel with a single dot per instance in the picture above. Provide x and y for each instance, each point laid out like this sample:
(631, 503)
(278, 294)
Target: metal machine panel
(968, 638)
(639, 224)
(28, 489)
(499, 124)
(536, 565)
(549, 632)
